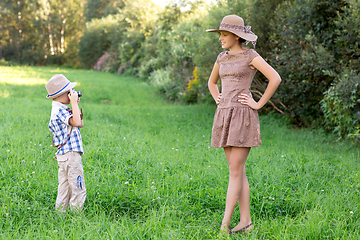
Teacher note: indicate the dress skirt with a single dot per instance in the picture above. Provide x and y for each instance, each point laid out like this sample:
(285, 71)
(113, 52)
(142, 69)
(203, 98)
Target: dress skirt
(236, 127)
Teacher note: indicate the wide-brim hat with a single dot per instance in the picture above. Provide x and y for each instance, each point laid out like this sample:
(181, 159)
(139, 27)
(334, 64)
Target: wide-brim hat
(235, 25)
(58, 85)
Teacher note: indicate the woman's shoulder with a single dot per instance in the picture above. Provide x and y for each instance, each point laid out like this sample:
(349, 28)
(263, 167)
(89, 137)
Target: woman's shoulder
(252, 54)
(221, 55)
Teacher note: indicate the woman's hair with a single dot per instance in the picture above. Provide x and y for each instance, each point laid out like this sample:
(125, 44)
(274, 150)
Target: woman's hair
(241, 40)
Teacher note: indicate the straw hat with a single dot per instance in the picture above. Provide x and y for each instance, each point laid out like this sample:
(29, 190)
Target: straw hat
(58, 85)
(235, 25)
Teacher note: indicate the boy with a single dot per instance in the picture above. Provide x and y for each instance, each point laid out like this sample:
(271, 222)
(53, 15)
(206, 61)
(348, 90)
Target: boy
(65, 127)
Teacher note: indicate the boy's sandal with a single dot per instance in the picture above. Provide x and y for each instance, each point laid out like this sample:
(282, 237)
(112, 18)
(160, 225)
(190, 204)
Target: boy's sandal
(242, 230)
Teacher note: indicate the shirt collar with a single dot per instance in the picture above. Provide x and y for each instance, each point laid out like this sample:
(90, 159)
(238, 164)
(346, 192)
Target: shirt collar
(55, 108)
(59, 105)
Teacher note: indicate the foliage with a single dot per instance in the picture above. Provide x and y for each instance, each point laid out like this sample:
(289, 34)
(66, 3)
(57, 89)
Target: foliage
(308, 42)
(3, 62)
(190, 46)
(40, 31)
(97, 39)
(156, 48)
(305, 56)
(260, 16)
(101, 8)
(341, 105)
(160, 77)
(150, 173)
(348, 35)
(121, 34)
(105, 63)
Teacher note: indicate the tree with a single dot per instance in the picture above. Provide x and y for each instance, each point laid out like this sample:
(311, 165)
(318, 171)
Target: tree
(102, 8)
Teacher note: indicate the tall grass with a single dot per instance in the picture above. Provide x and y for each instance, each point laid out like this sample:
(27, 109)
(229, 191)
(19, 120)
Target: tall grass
(150, 172)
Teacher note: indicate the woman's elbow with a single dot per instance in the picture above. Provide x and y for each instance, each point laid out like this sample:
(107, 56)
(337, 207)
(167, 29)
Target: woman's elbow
(277, 79)
(209, 84)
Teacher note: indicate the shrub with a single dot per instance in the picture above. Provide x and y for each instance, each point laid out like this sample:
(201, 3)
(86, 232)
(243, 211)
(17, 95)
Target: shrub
(193, 88)
(98, 38)
(341, 106)
(3, 62)
(348, 35)
(305, 56)
(107, 63)
(160, 77)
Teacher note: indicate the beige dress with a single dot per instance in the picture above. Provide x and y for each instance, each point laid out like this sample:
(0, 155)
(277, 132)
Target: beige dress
(235, 124)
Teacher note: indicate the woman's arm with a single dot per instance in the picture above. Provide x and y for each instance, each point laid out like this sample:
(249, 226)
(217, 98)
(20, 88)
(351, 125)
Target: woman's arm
(212, 83)
(274, 80)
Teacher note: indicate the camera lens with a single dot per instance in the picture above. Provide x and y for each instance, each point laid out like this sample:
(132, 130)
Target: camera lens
(79, 94)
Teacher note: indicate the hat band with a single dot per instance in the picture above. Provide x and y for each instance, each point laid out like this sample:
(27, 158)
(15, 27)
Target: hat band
(245, 29)
(50, 95)
(227, 26)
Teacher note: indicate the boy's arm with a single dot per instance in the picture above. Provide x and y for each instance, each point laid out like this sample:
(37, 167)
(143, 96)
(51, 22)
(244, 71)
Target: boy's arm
(75, 120)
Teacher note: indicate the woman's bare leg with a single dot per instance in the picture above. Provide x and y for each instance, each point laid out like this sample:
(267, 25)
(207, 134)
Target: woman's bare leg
(236, 159)
(244, 205)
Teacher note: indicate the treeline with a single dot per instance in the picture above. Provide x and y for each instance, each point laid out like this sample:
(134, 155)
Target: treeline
(313, 44)
(40, 31)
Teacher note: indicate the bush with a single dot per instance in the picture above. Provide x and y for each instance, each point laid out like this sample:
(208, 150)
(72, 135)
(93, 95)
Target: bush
(341, 106)
(348, 35)
(107, 63)
(305, 56)
(98, 38)
(194, 51)
(3, 62)
(160, 77)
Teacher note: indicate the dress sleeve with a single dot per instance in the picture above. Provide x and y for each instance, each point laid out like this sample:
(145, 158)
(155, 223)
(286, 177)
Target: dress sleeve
(219, 57)
(252, 55)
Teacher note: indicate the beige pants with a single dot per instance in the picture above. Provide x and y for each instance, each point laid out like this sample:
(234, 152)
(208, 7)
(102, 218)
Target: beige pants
(71, 190)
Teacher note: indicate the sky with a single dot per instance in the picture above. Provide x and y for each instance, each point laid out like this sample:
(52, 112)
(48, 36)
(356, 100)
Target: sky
(161, 2)
(166, 2)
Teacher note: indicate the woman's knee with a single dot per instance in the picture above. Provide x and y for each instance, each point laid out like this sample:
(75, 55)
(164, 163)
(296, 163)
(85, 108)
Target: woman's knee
(236, 170)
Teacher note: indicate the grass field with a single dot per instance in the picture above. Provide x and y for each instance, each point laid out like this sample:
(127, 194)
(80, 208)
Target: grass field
(151, 174)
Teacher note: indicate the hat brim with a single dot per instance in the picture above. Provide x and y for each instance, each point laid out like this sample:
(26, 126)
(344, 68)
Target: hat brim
(243, 35)
(62, 91)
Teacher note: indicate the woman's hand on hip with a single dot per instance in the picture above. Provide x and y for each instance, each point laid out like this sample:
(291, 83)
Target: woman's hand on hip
(218, 99)
(249, 101)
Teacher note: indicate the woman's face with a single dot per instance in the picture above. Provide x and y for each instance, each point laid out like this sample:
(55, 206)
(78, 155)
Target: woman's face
(228, 39)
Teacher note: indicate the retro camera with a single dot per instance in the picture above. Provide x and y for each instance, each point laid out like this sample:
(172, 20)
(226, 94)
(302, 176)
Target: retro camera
(78, 92)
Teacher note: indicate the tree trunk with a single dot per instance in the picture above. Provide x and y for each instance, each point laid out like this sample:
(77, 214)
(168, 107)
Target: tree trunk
(0, 42)
(45, 42)
(19, 30)
(51, 43)
(62, 40)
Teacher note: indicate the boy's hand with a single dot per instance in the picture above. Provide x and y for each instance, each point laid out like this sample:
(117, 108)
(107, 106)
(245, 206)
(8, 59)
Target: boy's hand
(76, 119)
(73, 96)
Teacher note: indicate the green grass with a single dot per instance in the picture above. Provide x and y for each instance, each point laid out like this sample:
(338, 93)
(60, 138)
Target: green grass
(150, 173)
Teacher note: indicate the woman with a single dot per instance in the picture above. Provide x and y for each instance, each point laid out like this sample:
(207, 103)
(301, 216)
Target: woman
(236, 123)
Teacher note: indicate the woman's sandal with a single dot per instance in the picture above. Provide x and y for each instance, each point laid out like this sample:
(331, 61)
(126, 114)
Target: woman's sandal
(242, 230)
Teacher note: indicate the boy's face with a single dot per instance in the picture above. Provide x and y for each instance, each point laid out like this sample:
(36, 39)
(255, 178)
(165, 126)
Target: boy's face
(63, 98)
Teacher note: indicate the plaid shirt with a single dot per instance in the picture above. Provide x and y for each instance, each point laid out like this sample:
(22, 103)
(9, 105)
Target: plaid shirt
(60, 128)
